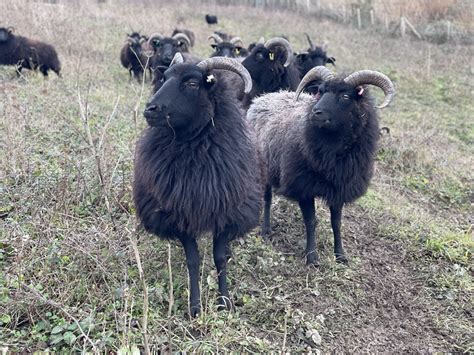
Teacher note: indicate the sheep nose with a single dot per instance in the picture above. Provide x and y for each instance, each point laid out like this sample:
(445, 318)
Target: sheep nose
(151, 110)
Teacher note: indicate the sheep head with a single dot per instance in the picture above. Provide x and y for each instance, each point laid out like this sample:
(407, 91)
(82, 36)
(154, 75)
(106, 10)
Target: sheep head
(184, 101)
(6, 33)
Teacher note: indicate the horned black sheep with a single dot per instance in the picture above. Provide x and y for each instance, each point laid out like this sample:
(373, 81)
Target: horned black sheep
(314, 56)
(321, 146)
(136, 54)
(27, 53)
(188, 33)
(197, 168)
(271, 67)
(227, 46)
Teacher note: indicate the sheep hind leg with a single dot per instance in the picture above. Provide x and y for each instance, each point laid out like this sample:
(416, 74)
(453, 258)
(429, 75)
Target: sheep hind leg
(336, 215)
(192, 260)
(221, 250)
(266, 227)
(309, 216)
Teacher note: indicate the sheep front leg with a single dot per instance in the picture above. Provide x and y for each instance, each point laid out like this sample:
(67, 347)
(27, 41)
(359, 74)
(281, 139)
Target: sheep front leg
(192, 259)
(266, 227)
(336, 214)
(309, 217)
(221, 250)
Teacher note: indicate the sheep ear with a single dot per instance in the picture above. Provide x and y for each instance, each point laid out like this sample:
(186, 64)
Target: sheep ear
(10, 30)
(331, 60)
(209, 80)
(214, 46)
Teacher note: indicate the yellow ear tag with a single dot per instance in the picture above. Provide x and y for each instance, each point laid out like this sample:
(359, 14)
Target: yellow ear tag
(271, 56)
(210, 78)
(237, 51)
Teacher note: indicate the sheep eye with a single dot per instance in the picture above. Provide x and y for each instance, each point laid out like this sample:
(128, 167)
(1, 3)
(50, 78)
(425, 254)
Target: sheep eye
(192, 85)
(259, 56)
(346, 97)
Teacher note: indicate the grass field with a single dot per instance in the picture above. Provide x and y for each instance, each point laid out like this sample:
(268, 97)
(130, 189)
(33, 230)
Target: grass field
(74, 265)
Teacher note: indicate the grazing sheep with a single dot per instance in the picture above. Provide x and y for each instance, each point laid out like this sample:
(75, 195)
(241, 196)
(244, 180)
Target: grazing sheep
(27, 53)
(313, 57)
(211, 19)
(196, 167)
(135, 55)
(271, 67)
(321, 146)
(231, 47)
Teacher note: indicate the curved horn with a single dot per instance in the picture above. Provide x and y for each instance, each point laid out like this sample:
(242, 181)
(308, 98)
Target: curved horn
(317, 73)
(153, 36)
(311, 45)
(216, 38)
(278, 41)
(370, 77)
(182, 36)
(237, 40)
(228, 64)
(177, 59)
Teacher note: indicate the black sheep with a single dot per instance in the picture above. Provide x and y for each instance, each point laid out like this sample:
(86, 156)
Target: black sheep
(321, 146)
(188, 33)
(136, 54)
(196, 167)
(211, 19)
(314, 56)
(271, 67)
(228, 46)
(166, 47)
(27, 53)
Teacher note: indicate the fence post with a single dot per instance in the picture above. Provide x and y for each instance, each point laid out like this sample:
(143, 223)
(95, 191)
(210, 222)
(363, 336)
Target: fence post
(403, 28)
(359, 20)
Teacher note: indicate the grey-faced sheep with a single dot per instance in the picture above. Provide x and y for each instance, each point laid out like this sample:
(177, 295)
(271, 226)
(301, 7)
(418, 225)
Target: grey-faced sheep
(27, 53)
(136, 54)
(271, 67)
(231, 47)
(321, 146)
(197, 168)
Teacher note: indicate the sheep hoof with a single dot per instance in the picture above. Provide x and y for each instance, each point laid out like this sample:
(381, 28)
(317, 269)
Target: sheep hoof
(312, 260)
(341, 259)
(195, 311)
(266, 231)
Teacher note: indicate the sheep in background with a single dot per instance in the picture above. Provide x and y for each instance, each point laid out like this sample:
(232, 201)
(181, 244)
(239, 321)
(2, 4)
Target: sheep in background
(26, 53)
(211, 19)
(314, 56)
(320, 146)
(271, 67)
(188, 33)
(197, 168)
(231, 47)
(136, 54)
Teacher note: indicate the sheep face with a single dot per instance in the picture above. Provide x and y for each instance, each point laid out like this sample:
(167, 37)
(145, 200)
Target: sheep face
(183, 95)
(261, 63)
(166, 48)
(336, 108)
(5, 34)
(312, 58)
(225, 49)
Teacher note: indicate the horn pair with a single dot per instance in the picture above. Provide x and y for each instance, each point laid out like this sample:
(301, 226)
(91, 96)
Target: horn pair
(358, 78)
(222, 63)
(280, 42)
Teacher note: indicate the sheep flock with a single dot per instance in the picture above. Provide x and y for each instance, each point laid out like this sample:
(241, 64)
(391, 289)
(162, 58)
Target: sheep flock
(228, 131)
